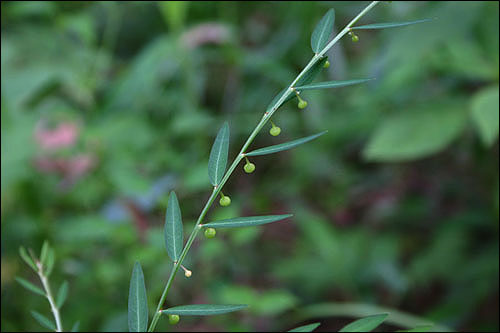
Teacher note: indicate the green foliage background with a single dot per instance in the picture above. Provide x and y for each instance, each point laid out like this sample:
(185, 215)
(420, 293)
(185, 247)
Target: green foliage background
(397, 206)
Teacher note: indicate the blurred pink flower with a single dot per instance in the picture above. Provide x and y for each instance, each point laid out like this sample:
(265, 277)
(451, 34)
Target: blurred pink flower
(71, 169)
(206, 33)
(64, 135)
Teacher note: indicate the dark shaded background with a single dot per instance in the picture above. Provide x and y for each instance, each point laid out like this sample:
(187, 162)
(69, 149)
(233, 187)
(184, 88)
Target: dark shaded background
(106, 107)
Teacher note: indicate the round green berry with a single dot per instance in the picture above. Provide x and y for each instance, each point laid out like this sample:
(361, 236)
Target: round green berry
(225, 201)
(173, 319)
(249, 167)
(326, 64)
(302, 104)
(210, 232)
(355, 38)
(275, 131)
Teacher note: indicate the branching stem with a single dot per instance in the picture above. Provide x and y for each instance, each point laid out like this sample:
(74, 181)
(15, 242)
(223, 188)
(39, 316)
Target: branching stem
(50, 298)
(241, 154)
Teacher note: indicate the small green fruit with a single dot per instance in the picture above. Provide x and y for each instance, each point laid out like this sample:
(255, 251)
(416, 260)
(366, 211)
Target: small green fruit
(326, 64)
(249, 167)
(173, 319)
(302, 104)
(275, 131)
(210, 233)
(225, 201)
(355, 38)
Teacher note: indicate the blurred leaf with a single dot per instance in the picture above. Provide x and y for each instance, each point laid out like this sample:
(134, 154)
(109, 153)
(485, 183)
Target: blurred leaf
(62, 294)
(31, 9)
(234, 293)
(240, 237)
(284, 146)
(331, 84)
(43, 252)
(203, 309)
(86, 228)
(174, 13)
(76, 326)
(395, 317)
(27, 259)
(366, 324)
(484, 111)
(305, 328)
(140, 86)
(44, 321)
(270, 302)
(18, 148)
(124, 175)
(465, 58)
(51, 258)
(218, 156)
(174, 236)
(274, 302)
(246, 221)
(322, 31)
(414, 134)
(195, 178)
(137, 301)
(389, 24)
(441, 257)
(30, 286)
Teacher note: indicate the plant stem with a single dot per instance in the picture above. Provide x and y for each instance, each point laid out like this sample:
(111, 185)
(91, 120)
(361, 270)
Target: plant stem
(241, 155)
(48, 294)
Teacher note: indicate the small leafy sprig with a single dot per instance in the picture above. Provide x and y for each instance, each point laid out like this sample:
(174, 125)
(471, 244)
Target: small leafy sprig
(218, 176)
(43, 267)
(366, 324)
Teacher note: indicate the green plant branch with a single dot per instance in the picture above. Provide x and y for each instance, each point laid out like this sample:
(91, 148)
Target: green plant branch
(48, 293)
(360, 310)
(267, 115)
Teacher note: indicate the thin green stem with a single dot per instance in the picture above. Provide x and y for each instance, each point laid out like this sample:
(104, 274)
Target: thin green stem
(241, 155)
(50, 298)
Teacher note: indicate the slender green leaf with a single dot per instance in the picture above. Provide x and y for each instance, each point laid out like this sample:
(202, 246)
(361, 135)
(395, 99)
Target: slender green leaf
(44, 321)
(322, 32)
(204, 309)
(24, 255)
(284, 146)
(218, 156)
(389, 25)
(173, 228)
(366, 324)
(75, 327)
(44, 252)
(422, 328)
(331, 84)
(484, 111)
(137, 302)
(30, 286)
(306, 328)
(62, 294)
(246, 221)
(51, 258)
